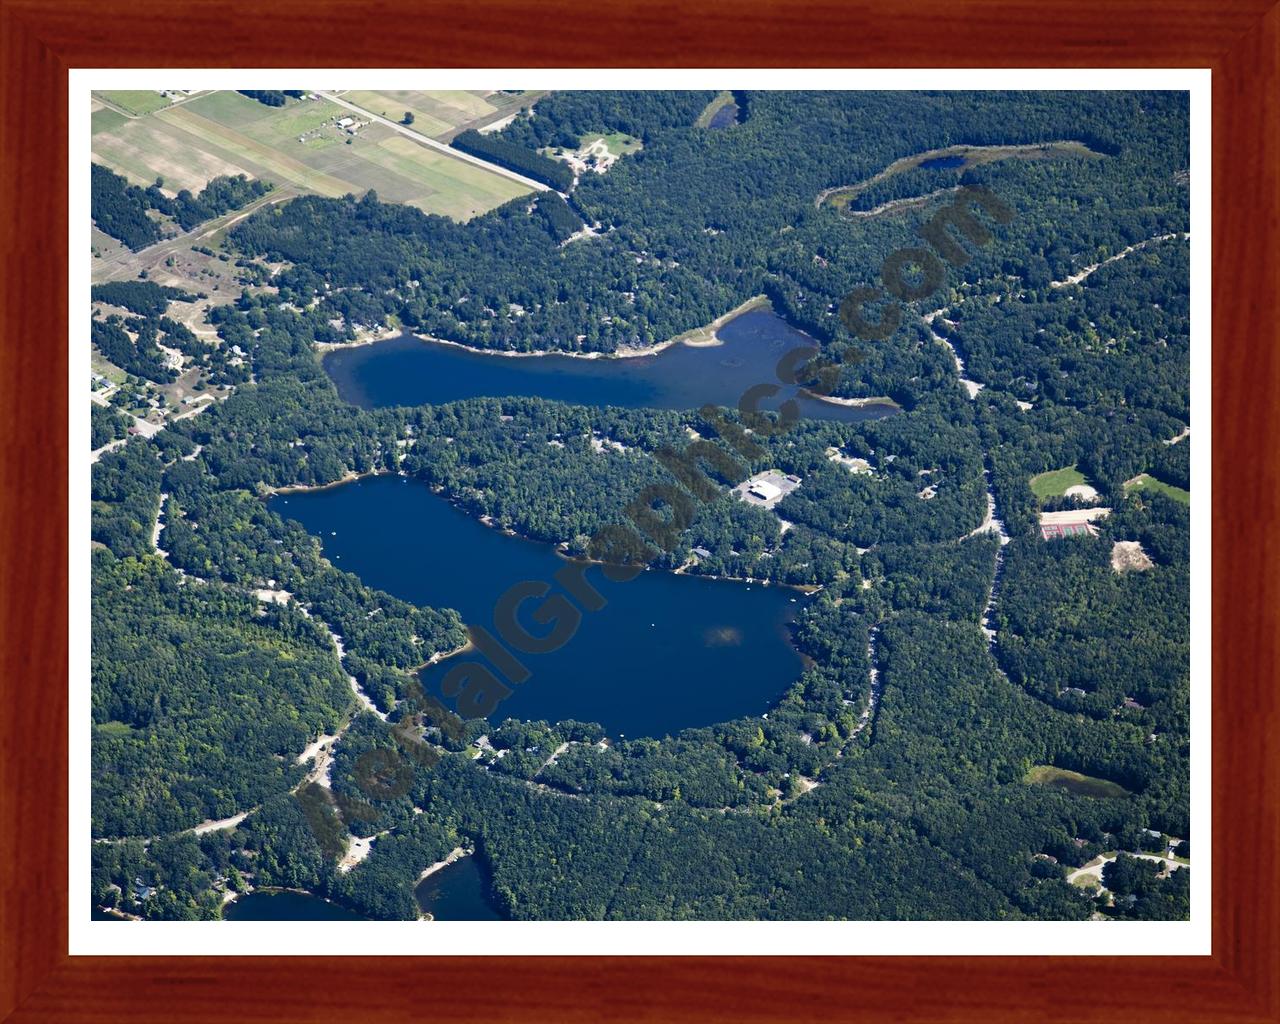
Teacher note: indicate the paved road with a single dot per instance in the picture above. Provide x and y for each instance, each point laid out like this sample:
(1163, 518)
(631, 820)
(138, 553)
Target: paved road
(457, 154)
(1095, 866)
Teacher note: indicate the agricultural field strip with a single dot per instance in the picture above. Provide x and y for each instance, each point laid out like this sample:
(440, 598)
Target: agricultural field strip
(425, 121)
(143, 149)
(272, 159)
(473, 190)
(444, 114)
(426, 141)
(105, 99)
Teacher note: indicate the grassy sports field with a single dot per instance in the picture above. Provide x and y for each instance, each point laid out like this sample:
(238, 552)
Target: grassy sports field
(298, 144)
(1054, 483)
(1146, 482)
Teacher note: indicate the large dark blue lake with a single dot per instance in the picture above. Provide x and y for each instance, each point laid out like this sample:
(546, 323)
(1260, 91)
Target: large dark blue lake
(407, 370)
(666, 653)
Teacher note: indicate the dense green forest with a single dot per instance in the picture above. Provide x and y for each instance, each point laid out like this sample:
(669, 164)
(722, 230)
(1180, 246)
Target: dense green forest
(146, 298)
(106, 424)
(231, 688)
(273, 97)
(895, 778)
(121, 210)
(515, 158)
(564, 117)
(562, 222)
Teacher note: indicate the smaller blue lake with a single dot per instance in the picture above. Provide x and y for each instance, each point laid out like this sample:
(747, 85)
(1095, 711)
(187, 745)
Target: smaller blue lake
(942, 163)
(725, 117)
(459, 892)
(408, 370)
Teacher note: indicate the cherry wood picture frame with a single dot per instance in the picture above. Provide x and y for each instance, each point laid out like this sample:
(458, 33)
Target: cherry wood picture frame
(39, 41)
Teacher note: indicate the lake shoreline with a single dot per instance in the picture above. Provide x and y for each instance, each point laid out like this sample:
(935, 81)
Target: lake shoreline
(278, 890)
(350, 477)
(560, 548)
(697, 337)
(854, 403)
(713, 365)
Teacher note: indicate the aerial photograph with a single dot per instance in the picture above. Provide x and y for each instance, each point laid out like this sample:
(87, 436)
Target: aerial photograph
(658, 505)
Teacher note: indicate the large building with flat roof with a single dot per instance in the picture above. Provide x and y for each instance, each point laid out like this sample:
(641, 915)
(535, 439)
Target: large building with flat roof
(764, 490)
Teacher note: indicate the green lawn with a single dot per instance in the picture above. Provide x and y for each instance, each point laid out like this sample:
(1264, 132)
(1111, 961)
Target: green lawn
(112, 372)
(114, 729)
(230, 108)
(1146, 482)
(1074, 782)
(1054, 483)
(619, 143)
(139, 101)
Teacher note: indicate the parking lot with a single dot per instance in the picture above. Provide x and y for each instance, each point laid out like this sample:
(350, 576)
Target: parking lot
(766, 489)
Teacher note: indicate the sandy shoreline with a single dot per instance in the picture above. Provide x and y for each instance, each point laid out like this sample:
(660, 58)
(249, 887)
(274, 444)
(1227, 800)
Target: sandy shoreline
(362, 338)
(440, 656)
(698, 337)
(351, 476)
(854, 403)
(455, 855)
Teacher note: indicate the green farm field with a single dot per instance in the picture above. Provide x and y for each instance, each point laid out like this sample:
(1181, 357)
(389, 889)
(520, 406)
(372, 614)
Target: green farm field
(136, 101)
(437, 113)
(298, 144)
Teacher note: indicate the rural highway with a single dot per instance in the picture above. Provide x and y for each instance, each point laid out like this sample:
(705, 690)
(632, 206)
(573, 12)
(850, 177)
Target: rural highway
(433, 144)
